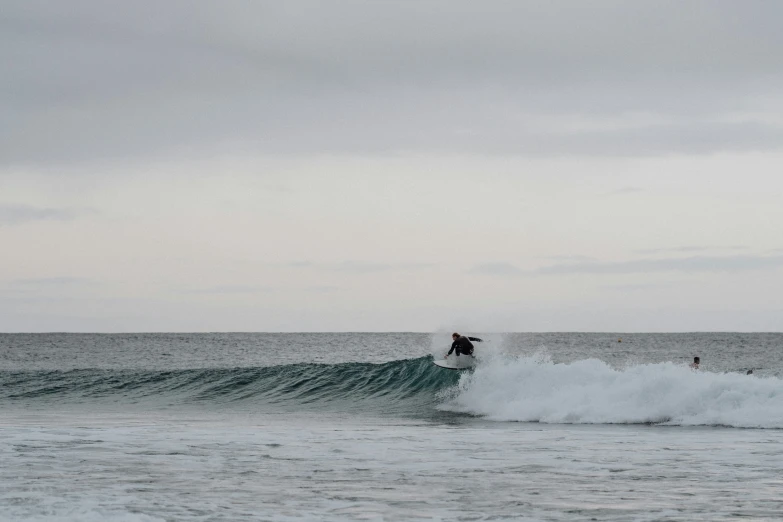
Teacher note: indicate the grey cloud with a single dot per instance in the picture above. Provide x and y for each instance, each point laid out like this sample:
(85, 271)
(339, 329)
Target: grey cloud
(359, 125)
(359, 267)
(49, 288)
(230, 289)
(625, 190)
(54, 281)
(637, 287)
(689, 249)
(299, 264)
(362, 267)
(92, 79)
(498, 269)
(254, 289)
(18, 214)
(686, 264)
(567, 258)
(638, 266)
(322, 289)
(355, 41)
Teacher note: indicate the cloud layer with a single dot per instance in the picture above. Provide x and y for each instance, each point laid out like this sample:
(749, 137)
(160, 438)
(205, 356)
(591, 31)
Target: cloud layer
(353, 165)
(692, 264)
(96, 79)
(18, 214)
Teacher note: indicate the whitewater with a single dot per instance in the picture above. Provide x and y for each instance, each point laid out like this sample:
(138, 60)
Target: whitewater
(530, 389)
(364, 427)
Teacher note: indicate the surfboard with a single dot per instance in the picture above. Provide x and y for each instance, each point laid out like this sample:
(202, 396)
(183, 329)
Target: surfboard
(463, 362)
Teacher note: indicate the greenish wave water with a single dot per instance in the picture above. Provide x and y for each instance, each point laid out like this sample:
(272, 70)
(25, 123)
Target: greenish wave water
(392, 383)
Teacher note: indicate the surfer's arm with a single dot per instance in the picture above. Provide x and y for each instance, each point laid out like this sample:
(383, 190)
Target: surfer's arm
(453, 346)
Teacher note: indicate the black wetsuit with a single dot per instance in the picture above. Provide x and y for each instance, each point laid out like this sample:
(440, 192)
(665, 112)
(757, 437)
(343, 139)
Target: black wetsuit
(462, 345)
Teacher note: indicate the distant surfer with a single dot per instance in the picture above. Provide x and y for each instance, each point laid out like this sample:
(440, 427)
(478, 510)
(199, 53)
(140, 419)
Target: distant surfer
(461, 345)
(695, 363)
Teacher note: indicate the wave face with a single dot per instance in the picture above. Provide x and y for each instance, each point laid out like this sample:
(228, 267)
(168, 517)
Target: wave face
(501, 388)
(411, 383)
(533, 389)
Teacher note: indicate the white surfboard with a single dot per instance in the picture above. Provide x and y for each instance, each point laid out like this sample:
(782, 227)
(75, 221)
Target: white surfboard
(452, 362)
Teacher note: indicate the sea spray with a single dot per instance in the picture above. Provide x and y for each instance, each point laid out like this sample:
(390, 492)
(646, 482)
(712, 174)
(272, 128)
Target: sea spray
(534, 389)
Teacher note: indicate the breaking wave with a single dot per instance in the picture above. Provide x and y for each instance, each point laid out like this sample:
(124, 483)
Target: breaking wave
(522, 389)
(533, 389)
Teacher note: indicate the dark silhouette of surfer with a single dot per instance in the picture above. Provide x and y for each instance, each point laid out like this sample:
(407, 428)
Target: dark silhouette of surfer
(462, 344)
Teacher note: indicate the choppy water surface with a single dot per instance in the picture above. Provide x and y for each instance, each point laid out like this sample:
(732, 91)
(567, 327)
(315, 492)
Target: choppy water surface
(364, 427)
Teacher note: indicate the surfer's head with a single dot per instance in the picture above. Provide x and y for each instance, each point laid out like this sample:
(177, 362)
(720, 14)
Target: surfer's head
(696, 360)
(455, 335)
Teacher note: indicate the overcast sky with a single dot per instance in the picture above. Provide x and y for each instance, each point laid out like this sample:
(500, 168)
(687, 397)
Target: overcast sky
(391, 165)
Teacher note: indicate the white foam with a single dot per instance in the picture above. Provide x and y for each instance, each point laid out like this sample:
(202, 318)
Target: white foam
(533, 389)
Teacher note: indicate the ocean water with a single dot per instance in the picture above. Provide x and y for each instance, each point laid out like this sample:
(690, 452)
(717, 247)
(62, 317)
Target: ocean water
(212, 427)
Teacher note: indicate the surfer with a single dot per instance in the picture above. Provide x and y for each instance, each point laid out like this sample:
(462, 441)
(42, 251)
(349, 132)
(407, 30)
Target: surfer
(461, 344)
(695, 363)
